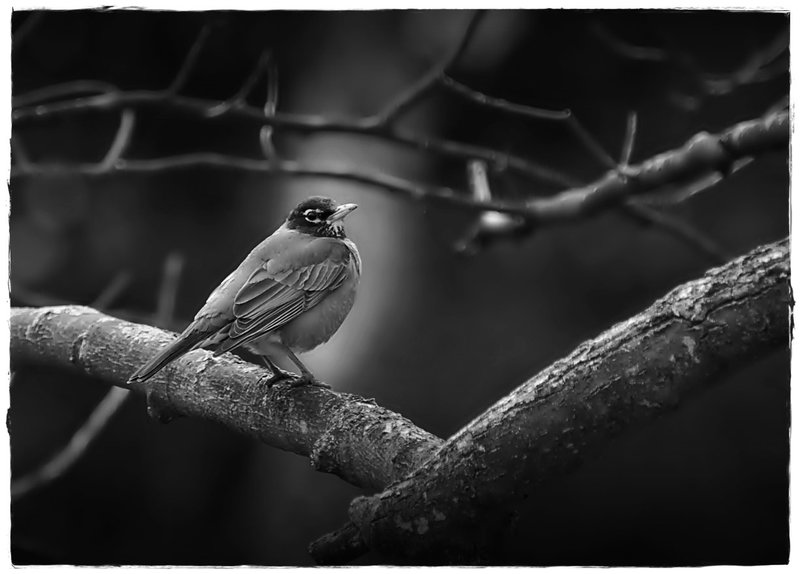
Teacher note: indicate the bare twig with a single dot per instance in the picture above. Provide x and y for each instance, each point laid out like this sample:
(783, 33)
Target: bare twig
(758, 67)
(22, 297)
(77, 446)
(20, 154)
(121, 141)
(675, 175)
(240, 97)
(270, 107)
(629, 140)
(703, 154)
(115, 398)
(301, 124)
(530, 112)
(489, 222)
(66, 458)
(387, 182)
(189, 62)
(501, 105)
(680, 229)
(113, 290)
(26, 28)
(59, 91)
(419, 89)
(590, 143)
(478, 181)
(168, 292)
(624, 48)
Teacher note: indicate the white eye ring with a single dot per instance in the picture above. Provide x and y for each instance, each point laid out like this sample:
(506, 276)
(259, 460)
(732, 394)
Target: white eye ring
(313, 215)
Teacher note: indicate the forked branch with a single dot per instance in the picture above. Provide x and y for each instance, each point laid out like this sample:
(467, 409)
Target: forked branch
(635, 371)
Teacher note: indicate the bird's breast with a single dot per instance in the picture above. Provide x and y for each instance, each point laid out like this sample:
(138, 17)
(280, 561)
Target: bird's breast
(318, 324)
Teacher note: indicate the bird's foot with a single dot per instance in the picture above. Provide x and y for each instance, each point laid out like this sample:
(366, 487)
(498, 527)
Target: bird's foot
(278, 375)
(308, 379)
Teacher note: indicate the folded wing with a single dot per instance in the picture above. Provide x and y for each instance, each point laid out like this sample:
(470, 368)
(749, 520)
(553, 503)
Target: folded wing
(283, 288)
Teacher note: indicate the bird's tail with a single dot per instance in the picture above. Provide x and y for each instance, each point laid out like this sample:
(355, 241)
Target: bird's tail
(180, 346)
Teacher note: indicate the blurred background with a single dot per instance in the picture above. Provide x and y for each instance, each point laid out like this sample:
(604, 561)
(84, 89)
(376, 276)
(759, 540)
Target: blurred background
(435, 335)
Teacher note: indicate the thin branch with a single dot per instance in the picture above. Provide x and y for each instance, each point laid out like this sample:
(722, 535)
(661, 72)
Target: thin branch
(241, 96)
(85, 436)
(189, 62)
(59, 91)
(25, 29)
(271, 102)
(74, 450)
(524, 111)
(674, 226)
(20, 155)
(298, 123)
(168, 291)
(590, 143)
(501, 105)
(270, 107)
(387, 182)
(624, 48)
(478, 181)
(420, 88)
(343, 434)
(636, 371)
(678, 192)
(680, 229)
(121, 141)
(760, 66)
(113, 290)
(489, 222)
(22, 297)
(702, 155)
(629, 140)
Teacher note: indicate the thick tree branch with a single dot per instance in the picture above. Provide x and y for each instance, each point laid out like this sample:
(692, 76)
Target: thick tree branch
(343, 434)
(457, 506)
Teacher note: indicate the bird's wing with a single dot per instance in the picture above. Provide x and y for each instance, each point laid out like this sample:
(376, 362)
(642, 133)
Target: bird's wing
(284, 287)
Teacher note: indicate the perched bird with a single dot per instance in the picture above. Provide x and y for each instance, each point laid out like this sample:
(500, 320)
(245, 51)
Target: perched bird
(290, 294)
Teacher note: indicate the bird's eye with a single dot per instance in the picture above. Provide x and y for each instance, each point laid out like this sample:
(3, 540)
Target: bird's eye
(313, 215)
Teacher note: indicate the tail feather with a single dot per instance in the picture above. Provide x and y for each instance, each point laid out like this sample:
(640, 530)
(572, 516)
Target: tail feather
(180, 346)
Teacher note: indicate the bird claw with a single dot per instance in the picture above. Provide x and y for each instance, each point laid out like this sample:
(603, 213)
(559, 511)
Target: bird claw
(309, 380)
(277, 376)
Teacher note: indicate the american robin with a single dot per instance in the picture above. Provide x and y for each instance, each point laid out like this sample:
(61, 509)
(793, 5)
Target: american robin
(290, 294)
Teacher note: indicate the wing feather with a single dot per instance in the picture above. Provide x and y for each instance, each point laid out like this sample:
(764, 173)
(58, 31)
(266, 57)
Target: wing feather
(283, 288)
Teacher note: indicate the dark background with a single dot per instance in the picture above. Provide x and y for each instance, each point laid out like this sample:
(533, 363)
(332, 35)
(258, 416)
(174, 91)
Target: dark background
(434, 335)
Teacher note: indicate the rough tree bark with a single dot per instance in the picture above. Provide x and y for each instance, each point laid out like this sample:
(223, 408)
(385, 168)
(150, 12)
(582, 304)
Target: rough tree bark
(343, 434)
(458, 501)
(457, 506)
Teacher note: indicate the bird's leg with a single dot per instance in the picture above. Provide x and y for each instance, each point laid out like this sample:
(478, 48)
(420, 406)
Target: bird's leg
(278, 374)
(307, 377)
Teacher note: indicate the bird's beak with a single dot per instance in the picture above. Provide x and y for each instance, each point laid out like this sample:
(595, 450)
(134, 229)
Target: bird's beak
(341, 212)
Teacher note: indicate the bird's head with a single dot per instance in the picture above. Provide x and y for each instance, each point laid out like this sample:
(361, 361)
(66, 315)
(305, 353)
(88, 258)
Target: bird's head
(319, 216)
